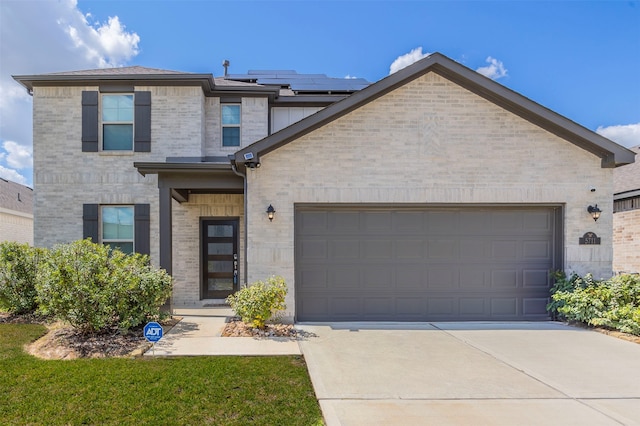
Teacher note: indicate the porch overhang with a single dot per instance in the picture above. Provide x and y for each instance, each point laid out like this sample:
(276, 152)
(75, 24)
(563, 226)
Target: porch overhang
(177, 180)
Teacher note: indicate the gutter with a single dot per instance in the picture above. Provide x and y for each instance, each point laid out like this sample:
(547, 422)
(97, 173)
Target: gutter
(246, 221)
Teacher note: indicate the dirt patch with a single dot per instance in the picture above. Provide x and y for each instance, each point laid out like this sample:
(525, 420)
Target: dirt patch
(236, 328)
(65, 342)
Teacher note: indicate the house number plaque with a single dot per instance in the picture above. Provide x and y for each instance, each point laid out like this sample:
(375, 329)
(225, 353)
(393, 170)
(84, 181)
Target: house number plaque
(590, 238)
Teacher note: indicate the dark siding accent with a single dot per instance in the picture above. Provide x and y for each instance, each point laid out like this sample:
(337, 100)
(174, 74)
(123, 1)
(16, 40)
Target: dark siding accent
(89, 121)
(142, 122)
(90, 227)
(142, 237)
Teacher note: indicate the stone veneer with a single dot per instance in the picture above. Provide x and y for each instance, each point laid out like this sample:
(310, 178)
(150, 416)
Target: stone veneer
(429, 141)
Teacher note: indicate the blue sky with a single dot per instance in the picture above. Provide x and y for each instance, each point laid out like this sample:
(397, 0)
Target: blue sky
(578, 58)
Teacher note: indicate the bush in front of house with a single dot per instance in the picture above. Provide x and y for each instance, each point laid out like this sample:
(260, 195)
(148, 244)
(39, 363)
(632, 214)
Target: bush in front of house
(612, 303)
(95, 288)
(259, 302)
(18, 266)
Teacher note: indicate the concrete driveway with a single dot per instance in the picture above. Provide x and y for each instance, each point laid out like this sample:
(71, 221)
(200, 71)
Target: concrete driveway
(472, 373)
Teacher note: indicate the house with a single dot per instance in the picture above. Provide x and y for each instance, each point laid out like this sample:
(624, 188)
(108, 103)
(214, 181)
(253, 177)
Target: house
(432, 194)
(16, 212)
(626, 217)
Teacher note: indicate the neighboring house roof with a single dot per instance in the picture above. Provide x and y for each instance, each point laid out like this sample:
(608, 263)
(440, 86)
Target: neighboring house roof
(612, 154)
(302, 83)
(16, 197)
(626, 179)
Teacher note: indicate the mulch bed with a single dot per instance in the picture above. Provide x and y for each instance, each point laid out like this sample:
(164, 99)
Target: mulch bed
(236, 328)
(65, 342)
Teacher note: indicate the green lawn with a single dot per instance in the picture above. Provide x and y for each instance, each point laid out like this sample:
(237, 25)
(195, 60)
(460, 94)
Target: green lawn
(165, 391)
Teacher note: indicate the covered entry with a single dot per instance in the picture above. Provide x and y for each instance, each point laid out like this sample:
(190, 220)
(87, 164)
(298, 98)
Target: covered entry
(399, 263)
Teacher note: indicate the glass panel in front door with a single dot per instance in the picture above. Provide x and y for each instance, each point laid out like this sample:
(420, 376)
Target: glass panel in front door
(219, 258)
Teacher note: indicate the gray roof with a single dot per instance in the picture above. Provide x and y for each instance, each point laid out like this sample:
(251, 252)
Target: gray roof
(16, 197)
(134, 70)
(627, 178)
(611, 154)
(301, 83)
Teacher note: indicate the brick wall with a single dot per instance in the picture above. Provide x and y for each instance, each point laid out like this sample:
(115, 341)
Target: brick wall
(626, 241)
(429, 141)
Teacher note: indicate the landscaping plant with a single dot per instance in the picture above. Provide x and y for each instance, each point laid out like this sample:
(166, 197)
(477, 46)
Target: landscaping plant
(18, 266)
(96, 288)
(612, 303)
(259, 302)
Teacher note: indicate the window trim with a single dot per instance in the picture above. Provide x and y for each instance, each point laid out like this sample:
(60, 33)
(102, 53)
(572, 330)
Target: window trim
(238, 126)
(101, 122)
(111, 241)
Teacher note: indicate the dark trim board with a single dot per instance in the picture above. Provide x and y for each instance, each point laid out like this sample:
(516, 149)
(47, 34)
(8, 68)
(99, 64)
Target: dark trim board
(425, 262)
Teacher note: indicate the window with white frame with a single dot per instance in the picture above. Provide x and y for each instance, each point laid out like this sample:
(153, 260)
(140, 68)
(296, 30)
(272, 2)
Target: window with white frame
(230, 125)
(117, 122)
(117, 227)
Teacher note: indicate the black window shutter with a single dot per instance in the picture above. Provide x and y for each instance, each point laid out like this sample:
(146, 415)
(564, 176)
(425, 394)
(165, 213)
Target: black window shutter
(89, 121)
(142, 122)
(90, 228)
(142, 237)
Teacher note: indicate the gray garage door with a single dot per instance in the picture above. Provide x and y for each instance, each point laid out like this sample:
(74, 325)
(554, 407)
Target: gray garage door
(424, 264)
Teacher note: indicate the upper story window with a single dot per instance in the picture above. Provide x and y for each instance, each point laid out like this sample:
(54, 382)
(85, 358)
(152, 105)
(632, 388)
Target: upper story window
(230, 125)
(117, 122)
(117, 227)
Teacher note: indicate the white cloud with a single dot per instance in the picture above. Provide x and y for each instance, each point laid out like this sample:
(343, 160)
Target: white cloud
(494, 70)
(17, 156)
(350, 77)
(405, 60)
(626, 135)
(12, 175)
(50, 36)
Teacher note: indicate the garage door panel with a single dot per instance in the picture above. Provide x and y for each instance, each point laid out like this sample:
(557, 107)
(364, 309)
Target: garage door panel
(343, 278)
(442, 222)
(344, 249)
(535, 306)
(540, 249)
(444, 264)
(411, 307)
(410, 278)
(345, 223)
(504, 307)
(442, 277)
(376, 249)
(535, 278)
(504, 278)
(504, 250)
(378, 277)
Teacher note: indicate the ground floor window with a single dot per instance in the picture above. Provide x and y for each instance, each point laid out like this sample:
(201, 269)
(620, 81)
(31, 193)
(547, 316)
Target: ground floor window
(117, 224)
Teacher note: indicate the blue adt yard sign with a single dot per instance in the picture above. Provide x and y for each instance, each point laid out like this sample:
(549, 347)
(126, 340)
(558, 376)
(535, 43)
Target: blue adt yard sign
(153, 332)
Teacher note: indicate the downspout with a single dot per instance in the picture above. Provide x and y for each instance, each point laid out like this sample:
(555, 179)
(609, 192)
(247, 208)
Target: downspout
(246, 221)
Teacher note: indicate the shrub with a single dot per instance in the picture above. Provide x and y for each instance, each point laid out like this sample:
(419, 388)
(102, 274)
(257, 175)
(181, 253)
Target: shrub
(18, 266)
(613, 303)
(95, 288)
(259, 302)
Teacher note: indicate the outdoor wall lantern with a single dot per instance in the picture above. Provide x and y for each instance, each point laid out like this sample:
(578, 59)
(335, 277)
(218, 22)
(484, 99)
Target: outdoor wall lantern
(271, 212)
(595, 212)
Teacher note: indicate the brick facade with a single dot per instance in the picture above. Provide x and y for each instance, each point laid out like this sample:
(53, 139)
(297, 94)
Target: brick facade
(427, 142)
(626, 241)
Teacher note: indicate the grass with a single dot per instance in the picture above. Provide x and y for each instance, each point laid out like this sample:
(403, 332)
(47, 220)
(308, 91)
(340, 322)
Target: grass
(175, 391)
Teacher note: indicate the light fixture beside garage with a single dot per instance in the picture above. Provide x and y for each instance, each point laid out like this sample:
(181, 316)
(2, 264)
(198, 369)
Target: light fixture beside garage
(271, 212)
(595, 212)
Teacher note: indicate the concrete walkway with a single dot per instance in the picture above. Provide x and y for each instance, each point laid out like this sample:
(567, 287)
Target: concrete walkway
(472, 373)
(196, 334)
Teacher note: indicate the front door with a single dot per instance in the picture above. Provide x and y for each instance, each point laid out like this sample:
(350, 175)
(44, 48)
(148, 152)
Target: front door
(219, 258)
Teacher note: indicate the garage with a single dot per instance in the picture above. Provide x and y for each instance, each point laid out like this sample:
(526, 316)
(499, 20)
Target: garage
(425, 263)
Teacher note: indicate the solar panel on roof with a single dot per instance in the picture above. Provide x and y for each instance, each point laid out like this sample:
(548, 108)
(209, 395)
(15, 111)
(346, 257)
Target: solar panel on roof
(301, 82)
